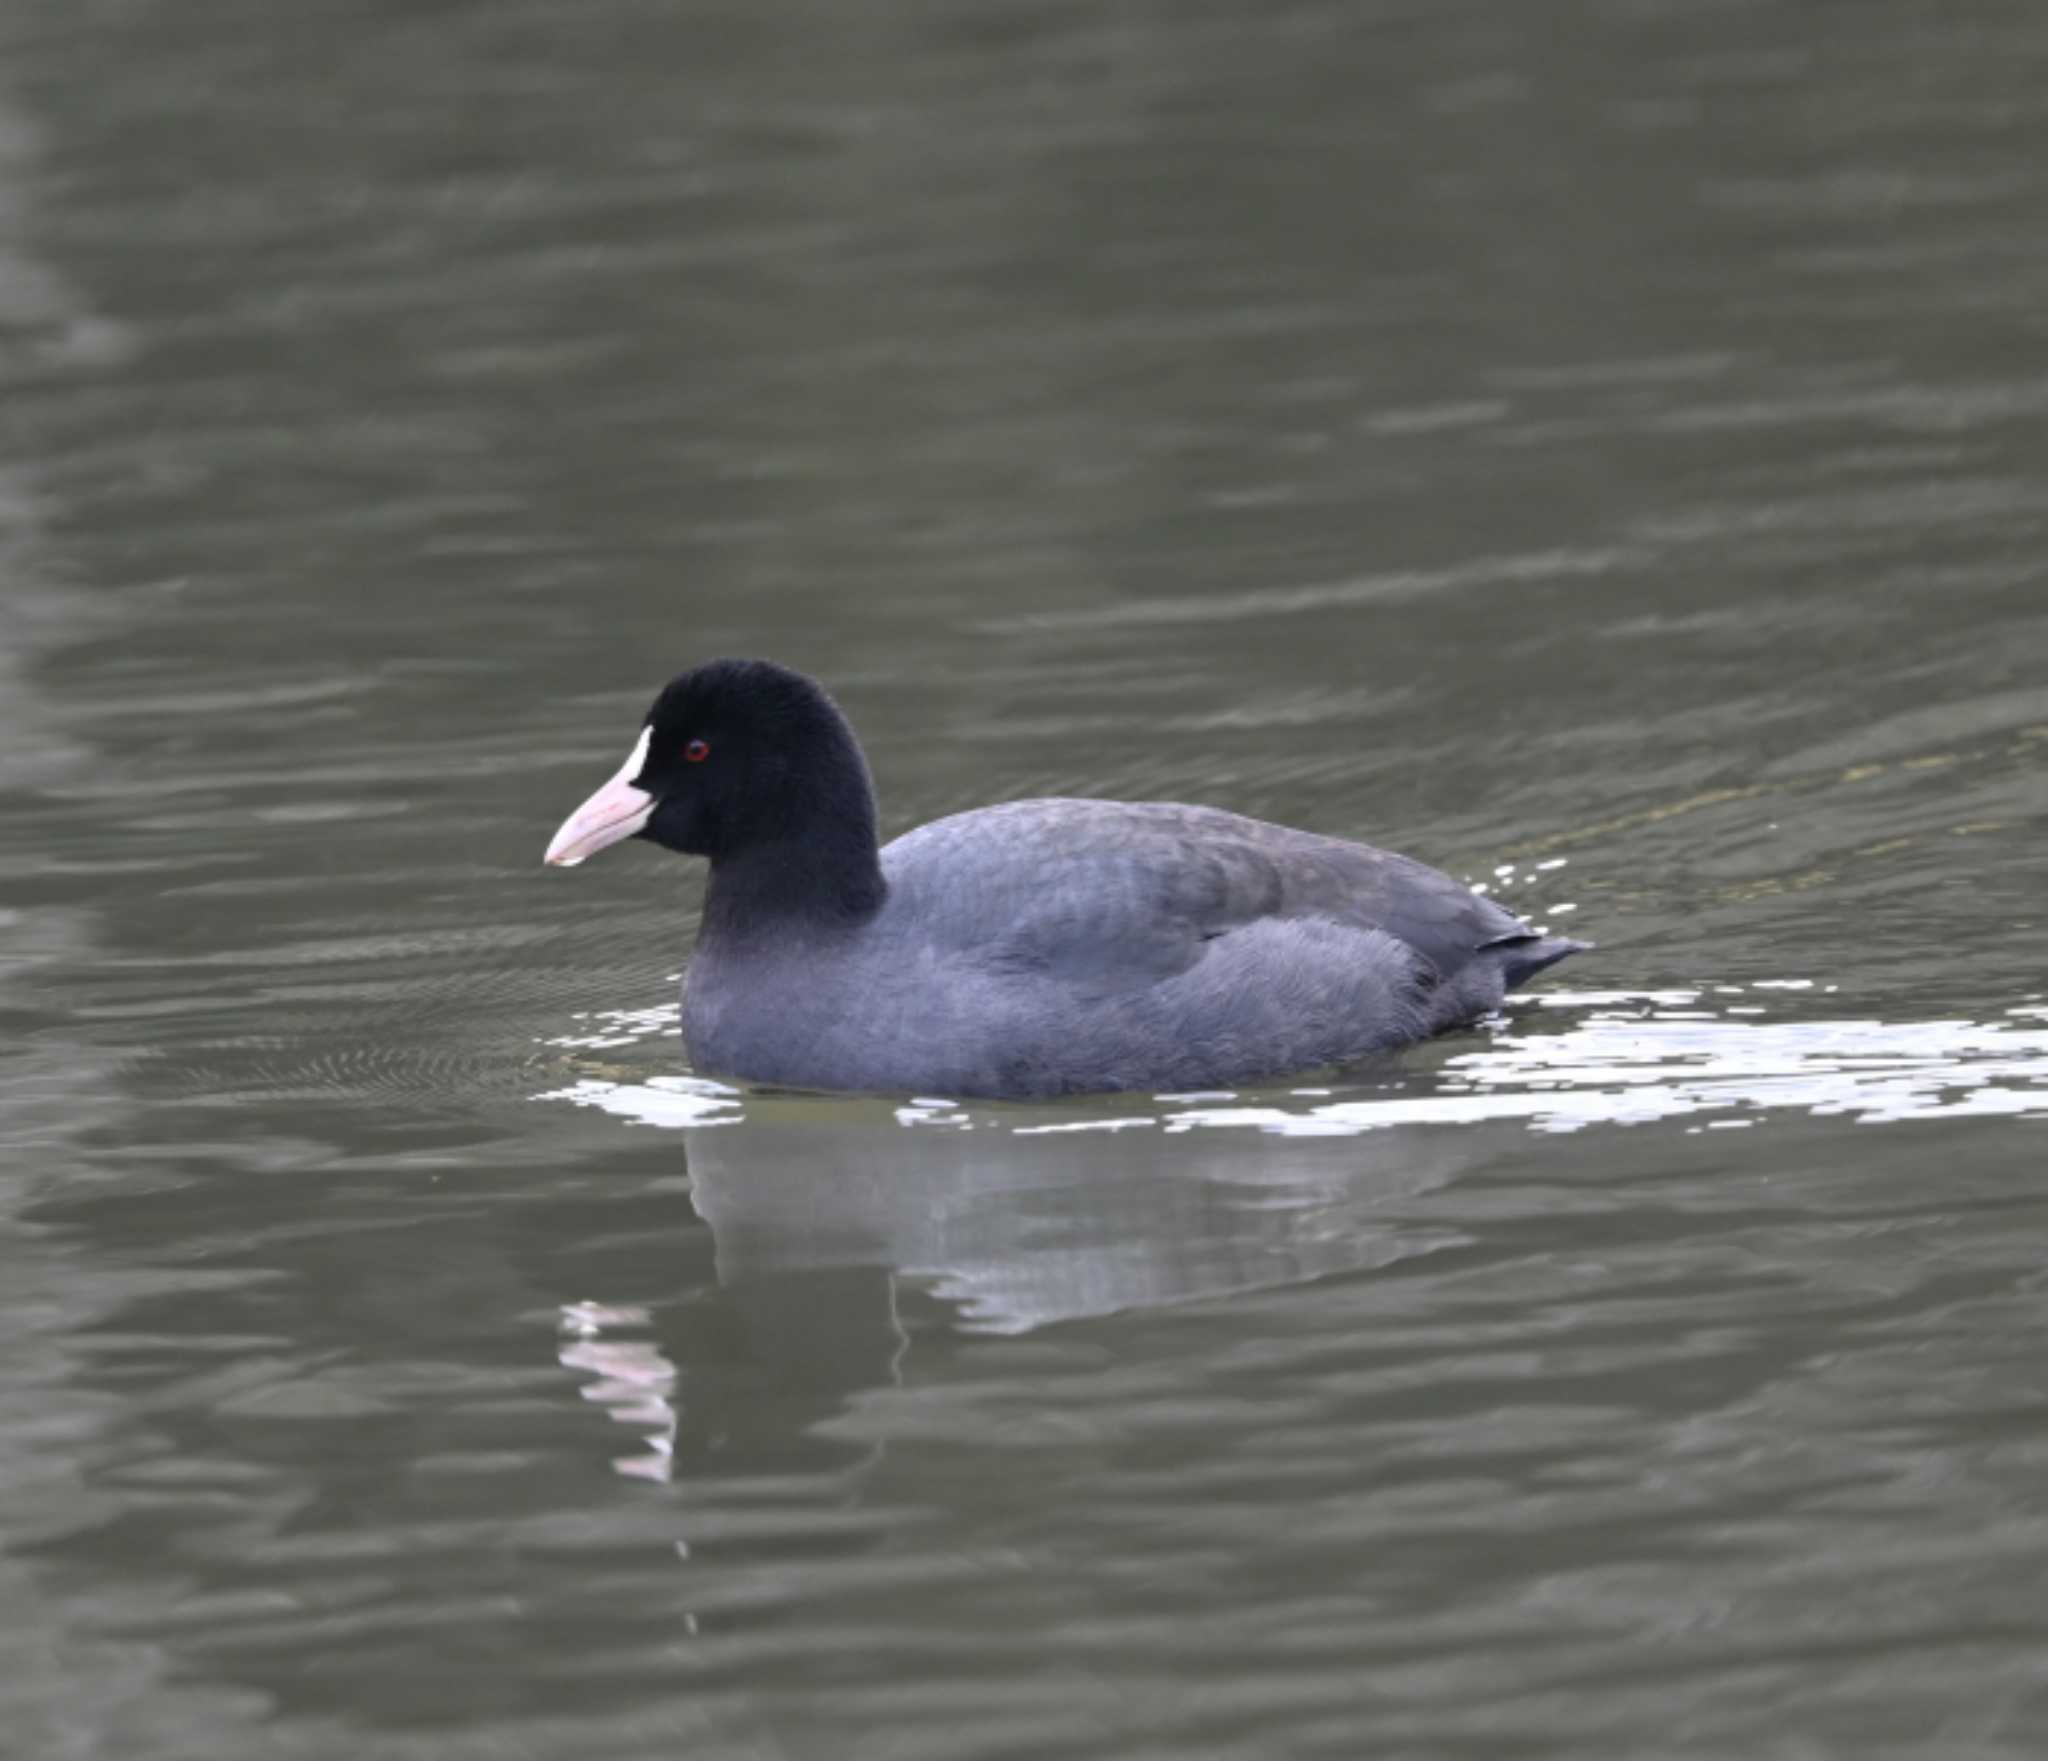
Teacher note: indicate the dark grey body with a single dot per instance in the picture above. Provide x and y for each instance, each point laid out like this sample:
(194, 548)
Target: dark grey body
(1058, 947)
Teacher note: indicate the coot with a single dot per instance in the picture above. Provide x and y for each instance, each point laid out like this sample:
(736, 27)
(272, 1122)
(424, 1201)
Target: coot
(1030, 949)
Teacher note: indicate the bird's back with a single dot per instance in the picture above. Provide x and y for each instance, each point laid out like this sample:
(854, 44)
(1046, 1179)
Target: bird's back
(1101, 888)
(1046, 947)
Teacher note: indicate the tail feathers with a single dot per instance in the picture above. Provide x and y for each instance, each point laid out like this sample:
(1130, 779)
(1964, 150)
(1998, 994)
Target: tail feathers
(1522, 957)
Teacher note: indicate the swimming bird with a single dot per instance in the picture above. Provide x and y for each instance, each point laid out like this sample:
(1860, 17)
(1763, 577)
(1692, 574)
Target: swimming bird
(1030, 949)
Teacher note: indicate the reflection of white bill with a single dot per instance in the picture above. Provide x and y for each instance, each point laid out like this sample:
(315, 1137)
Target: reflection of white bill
(630, 1378)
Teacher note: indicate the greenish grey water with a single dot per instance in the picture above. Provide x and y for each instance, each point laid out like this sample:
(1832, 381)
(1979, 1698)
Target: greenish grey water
(1599, 448)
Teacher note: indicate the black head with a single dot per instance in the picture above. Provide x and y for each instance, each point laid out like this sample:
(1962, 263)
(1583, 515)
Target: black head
(736, 756)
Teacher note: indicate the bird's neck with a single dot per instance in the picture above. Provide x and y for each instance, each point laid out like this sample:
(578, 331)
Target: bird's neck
(823, 868)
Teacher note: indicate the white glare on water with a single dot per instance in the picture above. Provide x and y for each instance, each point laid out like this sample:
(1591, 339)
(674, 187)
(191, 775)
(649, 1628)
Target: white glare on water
(1627, 1058)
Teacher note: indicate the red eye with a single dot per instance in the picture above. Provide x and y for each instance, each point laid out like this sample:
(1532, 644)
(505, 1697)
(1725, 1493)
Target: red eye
(697, 751)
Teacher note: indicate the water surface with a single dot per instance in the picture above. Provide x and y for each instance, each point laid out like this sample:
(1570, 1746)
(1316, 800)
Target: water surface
(1600, 452)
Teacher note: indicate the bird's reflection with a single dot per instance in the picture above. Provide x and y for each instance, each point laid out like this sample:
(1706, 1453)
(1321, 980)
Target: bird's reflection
(848, 1235)
(852, 1239)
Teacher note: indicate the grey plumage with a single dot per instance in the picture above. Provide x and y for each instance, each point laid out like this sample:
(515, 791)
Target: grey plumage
(1054, 947)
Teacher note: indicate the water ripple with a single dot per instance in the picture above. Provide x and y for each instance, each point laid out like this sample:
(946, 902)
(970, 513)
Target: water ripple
(1625, 1058)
